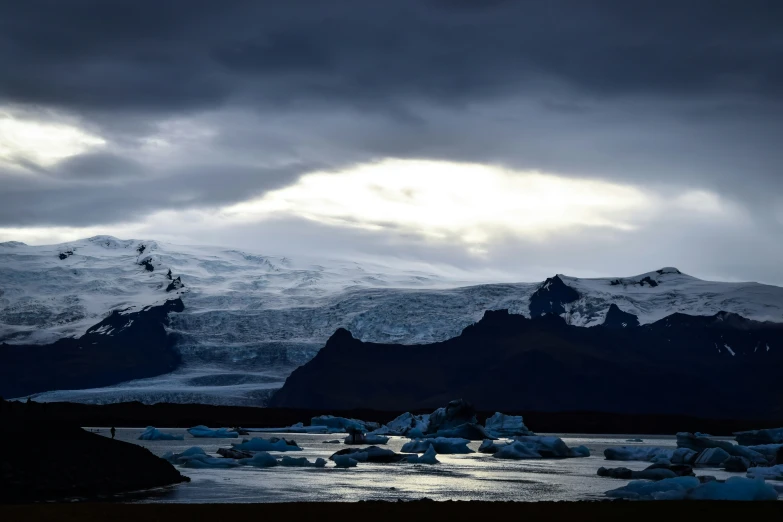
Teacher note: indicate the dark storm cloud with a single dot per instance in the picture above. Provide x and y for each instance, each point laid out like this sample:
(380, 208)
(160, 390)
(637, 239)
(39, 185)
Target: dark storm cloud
(646, 92)
(192, 54)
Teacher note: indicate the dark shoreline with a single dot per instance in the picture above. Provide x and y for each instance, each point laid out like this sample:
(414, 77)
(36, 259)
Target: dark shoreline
(396, 511)
(135, 414)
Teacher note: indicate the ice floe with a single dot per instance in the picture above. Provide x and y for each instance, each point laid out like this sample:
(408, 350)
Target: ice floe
(151, 433)
(208, 433)
(505, 426)
(429, 457)
(637, 453)
(442, 445)
(273, 444)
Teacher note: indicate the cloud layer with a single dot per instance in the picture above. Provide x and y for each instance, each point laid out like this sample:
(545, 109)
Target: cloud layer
(135, 115)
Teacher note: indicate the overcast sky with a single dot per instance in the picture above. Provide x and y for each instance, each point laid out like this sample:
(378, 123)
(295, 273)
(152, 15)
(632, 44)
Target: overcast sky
(511, 139)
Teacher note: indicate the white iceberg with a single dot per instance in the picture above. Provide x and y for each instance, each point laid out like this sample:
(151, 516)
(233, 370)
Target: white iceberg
(301, 462)
(771, 473)
(500, 425)
(262, 459)
(344, 461)
(260, 444)
(151, 433)
(442, 445)
(638, 453)
(429, 457)
(735, 488)
(208, 433)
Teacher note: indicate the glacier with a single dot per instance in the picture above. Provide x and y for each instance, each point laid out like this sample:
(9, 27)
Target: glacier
(251, 319)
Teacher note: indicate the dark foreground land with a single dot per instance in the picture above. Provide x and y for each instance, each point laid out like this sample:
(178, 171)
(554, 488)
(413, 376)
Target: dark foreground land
(136, 414)
(407, 511)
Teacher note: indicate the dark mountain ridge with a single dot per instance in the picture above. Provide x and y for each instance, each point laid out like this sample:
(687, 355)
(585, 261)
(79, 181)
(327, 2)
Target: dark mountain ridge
(718, 366)
(123, 346)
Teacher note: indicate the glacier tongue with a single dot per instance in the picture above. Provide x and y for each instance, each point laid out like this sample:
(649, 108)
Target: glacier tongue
(249, 319)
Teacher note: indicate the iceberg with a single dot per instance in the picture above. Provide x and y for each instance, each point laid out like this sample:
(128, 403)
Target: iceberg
(301, 462)
(684, 456)
(712, 457)
(341, 424)
(516, 451)
(759, 437)
(442, 445)
(667, 489)
(207, 433)
(637, 453)
(533, 447)
(358, 437)
(344, 461)
(468, 431)
(771, 473)
(736, 464)
(404, 424)
(206, 462)
(455, 413)
(371, 454)
(653, 472)
(429, 457)
(151, 433)
(273, 444)
(179, 458)
(505, 426)
(231, 453)
(735, 488)
(691, 488)
(295, 428)
(262, 459)
(771, 451)
(699, 441)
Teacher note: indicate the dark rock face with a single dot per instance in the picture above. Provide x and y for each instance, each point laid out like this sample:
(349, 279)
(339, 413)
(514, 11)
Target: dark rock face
(147, 264)
(616, 318)
(73, 463)
(122, 347)
(175, 284)
(507, 362)
(551, 297)
(141, 248)
(65, 255)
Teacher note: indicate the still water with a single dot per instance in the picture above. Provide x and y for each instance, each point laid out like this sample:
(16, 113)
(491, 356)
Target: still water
(474, 476)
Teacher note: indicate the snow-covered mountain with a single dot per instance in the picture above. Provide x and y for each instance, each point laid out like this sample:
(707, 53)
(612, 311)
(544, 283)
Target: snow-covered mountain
(250, 319)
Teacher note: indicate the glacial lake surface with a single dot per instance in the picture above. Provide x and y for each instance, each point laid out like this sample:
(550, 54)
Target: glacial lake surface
(474, 476)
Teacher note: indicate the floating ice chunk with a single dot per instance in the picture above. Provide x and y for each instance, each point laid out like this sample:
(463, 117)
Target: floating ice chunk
(207, 462)
(547, 447)
(371, 454)
(340, 424)
(301, 462)
(151, 433)
(208, 433)
(759, 437)
(262, 459)
(634, 440)
(369, 438)
(273, 444)
(700, 441)
(344, 461)
(500, 425)
(667, 489)
(295, 428)
(735, 488)
(683, 456)
(179, 458)
(429, 457)
(404, 424)
(517, 451)
(442, 445)
(770, 451)
(470, 431)
(637, 453)
(771, 473)
(579, 452)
